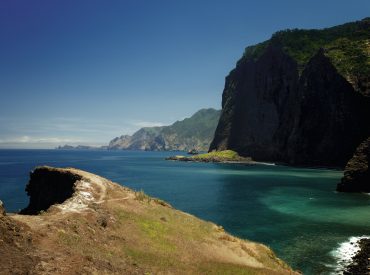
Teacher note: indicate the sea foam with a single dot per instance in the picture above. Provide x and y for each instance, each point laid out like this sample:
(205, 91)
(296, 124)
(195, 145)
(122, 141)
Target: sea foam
(345, 252)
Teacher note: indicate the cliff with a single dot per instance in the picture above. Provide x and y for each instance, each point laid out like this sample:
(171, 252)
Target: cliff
(356, 173)
(100, 227)
(195, 132)
(300, 98)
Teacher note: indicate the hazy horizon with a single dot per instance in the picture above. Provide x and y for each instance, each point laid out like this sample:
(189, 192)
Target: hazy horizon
(86, 72)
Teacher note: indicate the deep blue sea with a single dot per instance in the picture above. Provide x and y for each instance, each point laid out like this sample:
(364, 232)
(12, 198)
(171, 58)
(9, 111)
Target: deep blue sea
(294, 211)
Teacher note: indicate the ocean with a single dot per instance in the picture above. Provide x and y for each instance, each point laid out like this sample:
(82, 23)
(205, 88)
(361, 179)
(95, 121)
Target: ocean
(295, 211)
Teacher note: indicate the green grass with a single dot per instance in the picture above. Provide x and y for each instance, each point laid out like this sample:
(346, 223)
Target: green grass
(346, 45)
(68, 239)
(226, 155)
(141, 196)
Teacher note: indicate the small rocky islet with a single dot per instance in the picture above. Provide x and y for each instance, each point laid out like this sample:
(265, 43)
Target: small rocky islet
(226, 156)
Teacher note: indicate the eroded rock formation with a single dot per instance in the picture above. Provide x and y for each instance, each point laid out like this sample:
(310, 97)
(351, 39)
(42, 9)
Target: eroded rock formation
(48, 186)
(357, 174)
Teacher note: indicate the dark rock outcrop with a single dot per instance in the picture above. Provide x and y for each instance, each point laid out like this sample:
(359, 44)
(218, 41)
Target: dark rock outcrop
(254, 106)
(48, 186)
(330, 119)
(361, 261)
(292, 105)
(357, 174)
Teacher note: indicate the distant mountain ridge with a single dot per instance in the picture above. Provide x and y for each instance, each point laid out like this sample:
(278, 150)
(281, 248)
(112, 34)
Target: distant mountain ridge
(80, 147)
(195, 132)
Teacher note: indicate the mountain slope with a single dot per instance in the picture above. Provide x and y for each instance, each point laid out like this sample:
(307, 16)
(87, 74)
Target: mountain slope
(301, 97)
(194, 132)
(101, 227)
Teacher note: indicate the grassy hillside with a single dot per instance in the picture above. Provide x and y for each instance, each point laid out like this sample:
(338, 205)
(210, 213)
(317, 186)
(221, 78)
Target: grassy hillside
(105, 228)
(347, 46)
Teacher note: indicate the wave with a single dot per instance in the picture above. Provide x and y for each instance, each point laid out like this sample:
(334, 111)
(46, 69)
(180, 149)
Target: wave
(266, 163)
(345, 252)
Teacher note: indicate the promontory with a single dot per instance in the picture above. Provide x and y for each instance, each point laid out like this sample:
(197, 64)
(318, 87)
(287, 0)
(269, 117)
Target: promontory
(80, 223)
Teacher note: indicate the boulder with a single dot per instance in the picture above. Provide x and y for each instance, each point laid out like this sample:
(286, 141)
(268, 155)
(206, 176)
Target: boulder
(356, 173)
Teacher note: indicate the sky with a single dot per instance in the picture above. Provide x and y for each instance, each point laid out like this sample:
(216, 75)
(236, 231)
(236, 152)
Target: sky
(83, 72)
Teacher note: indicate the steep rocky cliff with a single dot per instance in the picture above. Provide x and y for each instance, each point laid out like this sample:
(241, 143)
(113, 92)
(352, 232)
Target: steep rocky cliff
(301, 97)
(195, 132)
(357, 174)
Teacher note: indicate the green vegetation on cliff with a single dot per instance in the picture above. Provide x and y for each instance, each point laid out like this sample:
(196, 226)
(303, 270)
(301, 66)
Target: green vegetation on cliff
(347, 46)
(195, 132)
(299, 96)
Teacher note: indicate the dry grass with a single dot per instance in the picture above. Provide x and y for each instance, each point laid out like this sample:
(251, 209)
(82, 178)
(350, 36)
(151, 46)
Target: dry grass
(131, 233)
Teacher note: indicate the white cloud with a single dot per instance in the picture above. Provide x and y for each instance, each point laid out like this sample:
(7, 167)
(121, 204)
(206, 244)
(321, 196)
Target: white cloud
(27, 140)
(50, 132)
(147, 124)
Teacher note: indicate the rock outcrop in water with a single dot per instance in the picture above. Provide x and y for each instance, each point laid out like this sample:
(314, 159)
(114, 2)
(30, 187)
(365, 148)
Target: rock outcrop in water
(100, 227)
(361, 261)
(195, 132)
(357, 174)
(300, 98)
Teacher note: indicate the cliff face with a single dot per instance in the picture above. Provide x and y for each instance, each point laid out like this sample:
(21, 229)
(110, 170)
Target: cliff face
(357, 174)
(330, 119)
(253, 105)
(295, 105)
(104, 228)
(194, 132)
(47, 187)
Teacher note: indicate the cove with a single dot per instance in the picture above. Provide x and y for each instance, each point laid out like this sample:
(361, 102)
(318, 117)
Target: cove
(294, 211)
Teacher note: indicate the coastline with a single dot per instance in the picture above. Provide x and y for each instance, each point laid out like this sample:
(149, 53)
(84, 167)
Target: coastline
(79, 222)
(191, 159)
(226, 156)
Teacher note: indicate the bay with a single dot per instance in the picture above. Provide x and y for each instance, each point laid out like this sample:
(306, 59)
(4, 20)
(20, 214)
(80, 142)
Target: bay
(294, 211)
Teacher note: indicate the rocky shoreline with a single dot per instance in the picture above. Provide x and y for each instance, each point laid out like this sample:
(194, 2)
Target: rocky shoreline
(361, 261)
(353, 256)
(189, 159)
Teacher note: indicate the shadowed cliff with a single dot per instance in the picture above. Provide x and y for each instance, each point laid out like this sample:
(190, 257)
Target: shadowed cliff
(356, 173)
(300, 98)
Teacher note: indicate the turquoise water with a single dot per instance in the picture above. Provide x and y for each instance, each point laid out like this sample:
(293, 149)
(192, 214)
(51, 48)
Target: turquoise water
(294, 211)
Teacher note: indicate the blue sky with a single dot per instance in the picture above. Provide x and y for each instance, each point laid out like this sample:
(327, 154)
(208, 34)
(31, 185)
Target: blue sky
(83, 72)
